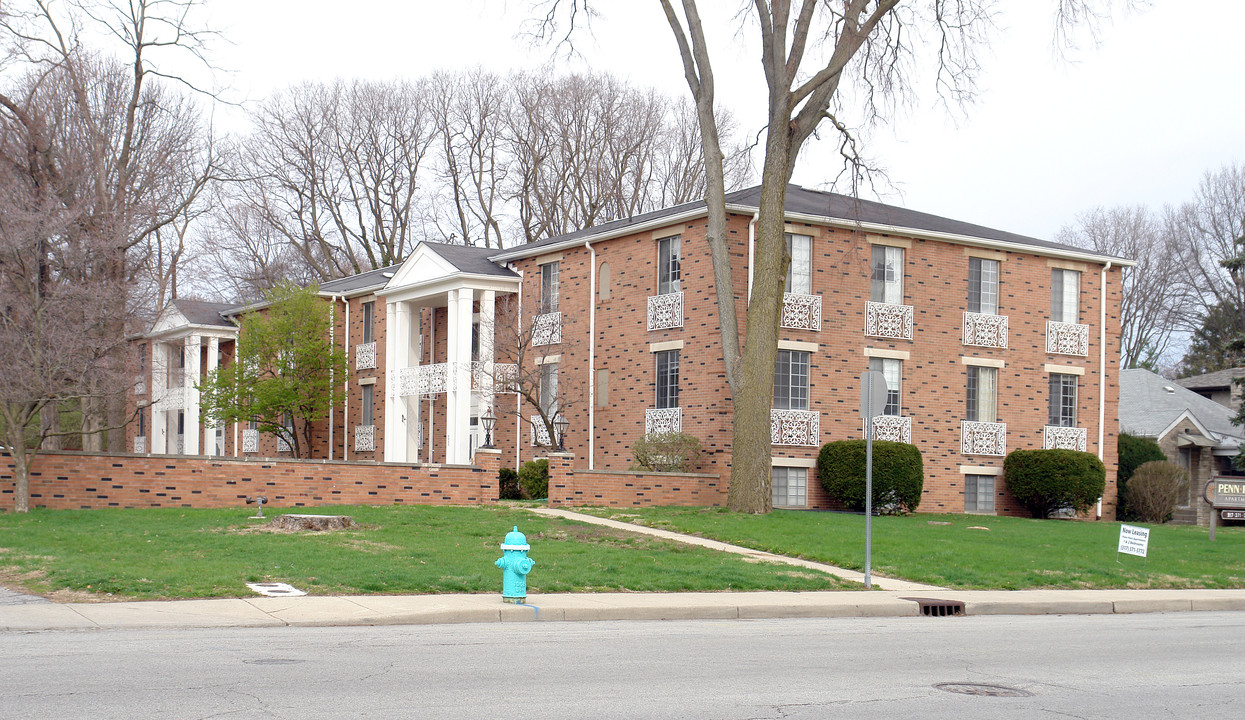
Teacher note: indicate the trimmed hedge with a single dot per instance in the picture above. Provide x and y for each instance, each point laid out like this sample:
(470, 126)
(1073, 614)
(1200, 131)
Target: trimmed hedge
(534, 479)
(508, 484)
(1133, 453)
(1047, 481)
(898, 474)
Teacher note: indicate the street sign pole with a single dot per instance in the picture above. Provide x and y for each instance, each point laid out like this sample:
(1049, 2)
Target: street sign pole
(872, 399)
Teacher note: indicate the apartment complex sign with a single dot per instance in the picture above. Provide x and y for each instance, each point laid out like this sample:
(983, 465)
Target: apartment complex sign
(1226, 493)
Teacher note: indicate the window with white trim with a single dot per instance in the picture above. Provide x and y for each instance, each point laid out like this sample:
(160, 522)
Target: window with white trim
(892, 370)
(789, 487)
(982, 405)
(886, 277)
(979, 493)
(1065, 296)
(983, 286)
(669, 272)
(549, 288)
(1062, 400)
(369, 322)
(368, 405)
(667, 379)
(549, 388)
(791, 380)
(800, 272)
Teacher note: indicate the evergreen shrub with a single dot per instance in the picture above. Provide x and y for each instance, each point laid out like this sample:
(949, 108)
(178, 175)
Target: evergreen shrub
(898, 474)
(1048, 481)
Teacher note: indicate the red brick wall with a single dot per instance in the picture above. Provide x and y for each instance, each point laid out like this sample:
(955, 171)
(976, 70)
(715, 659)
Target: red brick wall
(568, 486)
(64, 480)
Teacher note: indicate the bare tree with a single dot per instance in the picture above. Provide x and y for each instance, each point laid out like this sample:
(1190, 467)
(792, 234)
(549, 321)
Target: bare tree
(810, 49)
(1150, 305)
(1207, 234)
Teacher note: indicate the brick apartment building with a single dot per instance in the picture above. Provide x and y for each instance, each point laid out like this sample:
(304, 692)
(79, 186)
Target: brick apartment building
(989, 341)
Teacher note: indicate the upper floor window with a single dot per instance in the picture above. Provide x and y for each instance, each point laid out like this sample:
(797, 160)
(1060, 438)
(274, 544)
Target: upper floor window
(668, 270)
(800, 273)
(369, 319)
(549, 288)
(892, 370)
(982, 403)
(667, 379)
(791, 380)
(142, 422)
(983, 286)
(368, 416)
(1065, 296)
(549, 388)
(886, 278)
(1062, 400)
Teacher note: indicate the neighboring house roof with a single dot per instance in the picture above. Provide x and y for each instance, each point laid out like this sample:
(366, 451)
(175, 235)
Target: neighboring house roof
(1212, 380)
(815, 204)
(200, 312)
(1150, 404)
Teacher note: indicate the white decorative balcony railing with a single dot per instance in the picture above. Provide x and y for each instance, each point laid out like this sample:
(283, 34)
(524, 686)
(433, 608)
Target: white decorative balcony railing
(140, 385)
(1064, 438)
(660, 422)
(547, 329)
(893, 428)
(283, 445)
(665, 311)
(540, 433)
(365, 356)
(795, 427)
(171, 399)
(364, 438)
(1067, 338)
(180, 445)
(502, 379)
(439, 378)
(983, 438)
(887, 320)
(801, 312)
(250, 440)
(140, 444)
(985, 330)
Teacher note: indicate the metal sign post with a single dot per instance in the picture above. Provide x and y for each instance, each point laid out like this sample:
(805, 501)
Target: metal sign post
(872, 401)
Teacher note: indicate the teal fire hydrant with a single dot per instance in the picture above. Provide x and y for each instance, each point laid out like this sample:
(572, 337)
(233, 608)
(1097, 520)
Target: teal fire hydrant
(515, 565)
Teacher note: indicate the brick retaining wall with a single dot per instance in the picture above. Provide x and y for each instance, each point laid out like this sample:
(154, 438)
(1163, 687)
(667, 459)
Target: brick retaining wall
(71, 480)
(569, 486)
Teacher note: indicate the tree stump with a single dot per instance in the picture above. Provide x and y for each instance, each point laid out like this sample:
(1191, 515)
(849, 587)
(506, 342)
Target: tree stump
(314, 523)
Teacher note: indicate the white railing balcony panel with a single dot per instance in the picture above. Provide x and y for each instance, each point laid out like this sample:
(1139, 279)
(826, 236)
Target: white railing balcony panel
(665, 311)
(171, 399)
(888, 320)
(540, 433)
(985, 330)
(1064, 438)
(250, 440)
(801, 312)
(662, 421)
(140, 444)
(983, 438)
(1067, 338)
(547, 329)
(365, 356)
(425, 379)
(364, 438)
(502, 379)
(894, 428)
(795, 427)
(283, 445)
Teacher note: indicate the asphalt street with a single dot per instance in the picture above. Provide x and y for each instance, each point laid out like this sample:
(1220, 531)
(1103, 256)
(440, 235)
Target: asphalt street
(1102, 666)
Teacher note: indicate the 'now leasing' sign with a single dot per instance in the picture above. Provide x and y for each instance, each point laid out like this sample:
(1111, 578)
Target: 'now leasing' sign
(1134, 540)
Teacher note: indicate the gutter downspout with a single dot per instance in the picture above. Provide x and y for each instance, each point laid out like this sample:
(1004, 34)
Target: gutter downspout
(332, 343)
(592, 352)
(346, 383)
(518, 399)
(752, 249)
(1102, 369)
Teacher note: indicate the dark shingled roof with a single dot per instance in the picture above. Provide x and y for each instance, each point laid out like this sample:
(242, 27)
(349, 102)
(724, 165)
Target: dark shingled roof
(362, 281)
(473, 260)
(199, 312)
(1217, 379)
(822, 204)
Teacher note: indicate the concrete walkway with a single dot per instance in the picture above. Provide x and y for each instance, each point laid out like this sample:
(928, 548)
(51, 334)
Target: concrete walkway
(881, 583)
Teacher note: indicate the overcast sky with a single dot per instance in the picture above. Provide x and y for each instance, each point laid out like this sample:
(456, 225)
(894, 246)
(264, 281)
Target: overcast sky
(1137, 119)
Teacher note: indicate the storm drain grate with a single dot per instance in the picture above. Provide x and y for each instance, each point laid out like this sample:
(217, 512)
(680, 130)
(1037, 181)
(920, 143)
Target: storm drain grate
(932, 607)
(983, 690)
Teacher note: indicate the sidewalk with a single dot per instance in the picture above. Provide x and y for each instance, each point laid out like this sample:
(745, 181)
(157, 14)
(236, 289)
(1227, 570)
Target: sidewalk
(894, 598)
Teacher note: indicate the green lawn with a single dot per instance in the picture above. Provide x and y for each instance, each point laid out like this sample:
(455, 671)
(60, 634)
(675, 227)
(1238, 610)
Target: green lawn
(951, 550)
(179, 553)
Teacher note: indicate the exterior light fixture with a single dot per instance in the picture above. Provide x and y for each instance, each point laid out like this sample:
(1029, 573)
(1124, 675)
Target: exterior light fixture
(561, 424)
(489, 421)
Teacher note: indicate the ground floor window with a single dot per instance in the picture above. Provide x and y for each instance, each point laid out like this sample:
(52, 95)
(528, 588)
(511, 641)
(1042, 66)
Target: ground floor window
(979, 493)
(790, 487)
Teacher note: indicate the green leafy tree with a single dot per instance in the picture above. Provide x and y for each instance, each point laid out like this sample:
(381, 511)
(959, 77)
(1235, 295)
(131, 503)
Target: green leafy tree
(287, 374)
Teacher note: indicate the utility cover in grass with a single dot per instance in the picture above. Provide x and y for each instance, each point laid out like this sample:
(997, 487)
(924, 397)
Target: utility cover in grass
(276, 589)
(313, 523)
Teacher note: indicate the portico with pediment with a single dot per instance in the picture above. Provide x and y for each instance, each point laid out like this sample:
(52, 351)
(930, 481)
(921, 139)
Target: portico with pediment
(460, 288)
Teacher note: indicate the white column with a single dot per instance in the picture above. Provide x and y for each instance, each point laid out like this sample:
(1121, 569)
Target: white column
(451, 359)
(191, 395)
(488, 321)
(395, 360)
(158, 442)
(411, 402)
(213, 362)
(462, 371)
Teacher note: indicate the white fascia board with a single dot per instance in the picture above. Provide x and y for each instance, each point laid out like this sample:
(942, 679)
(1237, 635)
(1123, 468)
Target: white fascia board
(1187, 415)
(519, 253)
(451, 282)
(944, 237)
(203, 330)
